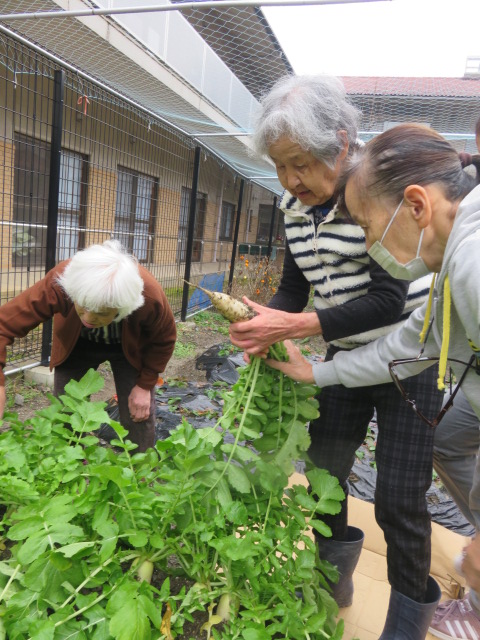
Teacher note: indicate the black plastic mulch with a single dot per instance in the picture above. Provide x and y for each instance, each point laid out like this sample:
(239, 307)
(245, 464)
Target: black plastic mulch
(442, 508)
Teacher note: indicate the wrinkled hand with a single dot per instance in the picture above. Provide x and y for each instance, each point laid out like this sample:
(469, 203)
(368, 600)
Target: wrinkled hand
(297, 367)
(3, 401)
(267, 327)
(471, 563)
(139, 404)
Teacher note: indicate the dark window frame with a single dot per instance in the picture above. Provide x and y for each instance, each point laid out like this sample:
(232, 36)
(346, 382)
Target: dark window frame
(30, 208)
(128, 237)
(227, 221)
(199, 229)
(264, 223)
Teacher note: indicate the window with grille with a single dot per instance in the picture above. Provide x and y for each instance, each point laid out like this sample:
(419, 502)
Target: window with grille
(264, 223)
(250, 220)
(227, 221)
(71, 204)
(135, 208)
(199, 228)
(30, 203)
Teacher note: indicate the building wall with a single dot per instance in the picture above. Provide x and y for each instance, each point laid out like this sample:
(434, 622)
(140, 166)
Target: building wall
(6, 201)
(108, 136)
(106, 143)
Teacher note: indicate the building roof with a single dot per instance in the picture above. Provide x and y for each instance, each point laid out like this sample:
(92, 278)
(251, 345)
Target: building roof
(163, 63)
(425, 87)
(244, 41)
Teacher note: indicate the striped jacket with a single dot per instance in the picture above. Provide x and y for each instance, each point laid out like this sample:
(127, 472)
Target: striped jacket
(334, 260)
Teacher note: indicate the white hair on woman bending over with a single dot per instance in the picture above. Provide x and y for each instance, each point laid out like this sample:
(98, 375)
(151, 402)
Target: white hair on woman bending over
(104, 276)
(309, 110)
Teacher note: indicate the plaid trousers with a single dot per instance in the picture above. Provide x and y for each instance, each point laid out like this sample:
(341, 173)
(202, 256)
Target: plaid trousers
(89, 355)
(404, 452)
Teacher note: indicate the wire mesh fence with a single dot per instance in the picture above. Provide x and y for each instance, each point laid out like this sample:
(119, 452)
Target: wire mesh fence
(160, 61)
(122, 175)
(142, 94)
(451, 106)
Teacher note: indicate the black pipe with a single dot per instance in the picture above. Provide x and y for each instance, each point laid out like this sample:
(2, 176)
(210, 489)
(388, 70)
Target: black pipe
(190, 232)
(53, 192)
(272, 221)
(235, 236)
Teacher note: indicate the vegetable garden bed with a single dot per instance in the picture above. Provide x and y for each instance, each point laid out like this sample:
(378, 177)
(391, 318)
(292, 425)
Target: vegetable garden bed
(208, 511)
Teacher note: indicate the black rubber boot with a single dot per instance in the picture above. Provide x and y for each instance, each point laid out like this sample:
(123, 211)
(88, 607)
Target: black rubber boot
(344, 555)
(408, 619)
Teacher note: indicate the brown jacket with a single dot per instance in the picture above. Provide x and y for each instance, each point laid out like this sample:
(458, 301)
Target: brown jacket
(148, 334)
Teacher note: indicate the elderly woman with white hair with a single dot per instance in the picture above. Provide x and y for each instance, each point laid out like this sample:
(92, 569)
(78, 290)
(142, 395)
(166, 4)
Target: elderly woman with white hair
(104, 307)
(308, 128)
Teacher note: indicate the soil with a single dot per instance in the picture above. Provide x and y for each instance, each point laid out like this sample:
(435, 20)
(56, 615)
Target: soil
(199, 338)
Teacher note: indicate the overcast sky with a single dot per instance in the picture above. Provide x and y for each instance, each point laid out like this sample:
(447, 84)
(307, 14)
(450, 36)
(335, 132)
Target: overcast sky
(391, 38)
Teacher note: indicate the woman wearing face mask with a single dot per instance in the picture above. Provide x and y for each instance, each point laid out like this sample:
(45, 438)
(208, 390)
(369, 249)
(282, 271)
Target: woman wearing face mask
(420, 211)
(309, 130)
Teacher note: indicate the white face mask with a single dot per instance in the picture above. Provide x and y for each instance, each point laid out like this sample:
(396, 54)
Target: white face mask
(413, 270)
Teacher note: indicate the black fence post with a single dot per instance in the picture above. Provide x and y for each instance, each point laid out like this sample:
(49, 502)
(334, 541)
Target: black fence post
(272, 222)
(190, 231)
(53, 191)
(235, 236)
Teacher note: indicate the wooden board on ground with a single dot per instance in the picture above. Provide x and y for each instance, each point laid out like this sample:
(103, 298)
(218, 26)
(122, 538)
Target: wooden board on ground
(364, 620)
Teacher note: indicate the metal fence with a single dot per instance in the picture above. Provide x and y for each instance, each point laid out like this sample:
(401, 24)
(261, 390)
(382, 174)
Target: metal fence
(80, 166)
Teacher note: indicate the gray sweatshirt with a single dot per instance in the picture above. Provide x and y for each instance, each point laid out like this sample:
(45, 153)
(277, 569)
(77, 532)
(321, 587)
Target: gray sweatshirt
(461, 262)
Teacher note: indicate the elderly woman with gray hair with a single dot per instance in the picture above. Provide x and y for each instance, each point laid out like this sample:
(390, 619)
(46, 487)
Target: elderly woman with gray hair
(308, 128)
(104, 307)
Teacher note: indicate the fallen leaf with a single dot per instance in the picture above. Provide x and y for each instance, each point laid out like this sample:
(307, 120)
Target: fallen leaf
(166, 628)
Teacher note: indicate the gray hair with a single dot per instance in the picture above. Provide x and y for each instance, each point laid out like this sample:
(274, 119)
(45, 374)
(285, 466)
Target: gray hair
(309, 110)
(104, 276)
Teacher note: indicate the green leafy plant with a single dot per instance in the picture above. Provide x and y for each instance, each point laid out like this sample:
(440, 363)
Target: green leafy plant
(210, 414)
(174, 382)
(173, 402)
(228, 350)
(369, 446)
(84, 527)
(211, 320)
(184, 350)
(216, 390)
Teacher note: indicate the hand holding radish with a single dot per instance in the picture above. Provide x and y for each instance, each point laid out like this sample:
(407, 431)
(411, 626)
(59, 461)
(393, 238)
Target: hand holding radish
(297, 367)
(266, 331)
(270, 326)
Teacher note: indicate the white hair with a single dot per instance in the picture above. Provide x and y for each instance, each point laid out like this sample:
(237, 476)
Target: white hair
(309, 110)
(104, 276)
